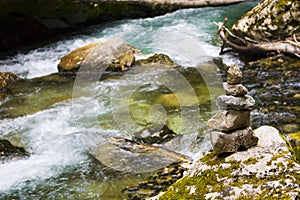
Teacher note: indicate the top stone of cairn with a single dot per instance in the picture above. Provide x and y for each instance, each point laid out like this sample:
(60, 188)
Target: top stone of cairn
(234, 75)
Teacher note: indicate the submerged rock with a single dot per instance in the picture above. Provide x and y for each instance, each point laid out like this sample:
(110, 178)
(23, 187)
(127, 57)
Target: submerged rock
(113, 55)
(226, 120)
(264, 171)
(153, 135)
(236, 103)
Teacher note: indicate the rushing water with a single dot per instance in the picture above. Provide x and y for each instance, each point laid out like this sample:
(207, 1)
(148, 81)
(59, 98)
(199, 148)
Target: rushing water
(59, 135)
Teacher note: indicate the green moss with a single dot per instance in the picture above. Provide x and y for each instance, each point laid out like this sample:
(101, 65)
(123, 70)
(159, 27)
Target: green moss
(204, 181)
(212, 180)
(295, 136)
(250, 161)
(297, 153)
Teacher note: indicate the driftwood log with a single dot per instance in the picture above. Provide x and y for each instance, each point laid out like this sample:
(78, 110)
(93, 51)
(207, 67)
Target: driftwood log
(247, 45)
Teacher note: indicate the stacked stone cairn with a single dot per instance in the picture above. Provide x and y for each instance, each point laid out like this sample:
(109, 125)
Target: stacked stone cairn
(231, 124)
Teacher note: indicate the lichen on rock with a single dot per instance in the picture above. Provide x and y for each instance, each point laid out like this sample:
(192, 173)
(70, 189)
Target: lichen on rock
(266, 171)
(270, 20)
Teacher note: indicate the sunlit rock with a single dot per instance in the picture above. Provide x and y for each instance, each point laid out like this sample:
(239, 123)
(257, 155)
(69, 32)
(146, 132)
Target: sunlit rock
(113, 55)
(226, 120)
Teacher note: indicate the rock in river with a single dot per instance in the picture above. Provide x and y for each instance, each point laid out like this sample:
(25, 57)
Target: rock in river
(113, 55)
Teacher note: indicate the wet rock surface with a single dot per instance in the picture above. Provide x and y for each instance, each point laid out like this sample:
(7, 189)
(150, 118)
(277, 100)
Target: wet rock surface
(7, 79)
(8, 151)
(154, 135)
(113, 55)
(274, 83)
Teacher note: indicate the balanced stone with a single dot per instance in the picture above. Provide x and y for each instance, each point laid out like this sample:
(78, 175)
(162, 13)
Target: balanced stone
(234, 75)
(240, 139)
(236, 103)
(226, 120)
(235, 90)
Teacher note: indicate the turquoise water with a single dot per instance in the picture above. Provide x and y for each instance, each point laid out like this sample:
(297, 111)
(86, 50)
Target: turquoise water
(63, 136)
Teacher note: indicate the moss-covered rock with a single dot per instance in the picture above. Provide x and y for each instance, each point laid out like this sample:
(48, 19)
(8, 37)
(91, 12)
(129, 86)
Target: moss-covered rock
(266, 171)
(271, 20)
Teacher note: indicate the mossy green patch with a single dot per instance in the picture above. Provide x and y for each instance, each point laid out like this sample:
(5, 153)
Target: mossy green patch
(295, 136)
(250, 161)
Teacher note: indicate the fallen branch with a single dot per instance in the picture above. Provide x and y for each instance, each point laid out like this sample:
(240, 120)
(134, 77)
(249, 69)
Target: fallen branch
(248, 45)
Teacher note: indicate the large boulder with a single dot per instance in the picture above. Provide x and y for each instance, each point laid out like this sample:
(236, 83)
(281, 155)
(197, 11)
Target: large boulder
(271, 20)
(266, 171)
(113, 55)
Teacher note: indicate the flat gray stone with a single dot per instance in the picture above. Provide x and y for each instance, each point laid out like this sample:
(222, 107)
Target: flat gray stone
(235, 90)
(227, 120)
(236, 103)
(234, 75)
(227, 143)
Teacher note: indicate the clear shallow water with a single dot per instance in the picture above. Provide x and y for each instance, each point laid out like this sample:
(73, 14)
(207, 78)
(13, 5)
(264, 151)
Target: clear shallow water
(60, 166)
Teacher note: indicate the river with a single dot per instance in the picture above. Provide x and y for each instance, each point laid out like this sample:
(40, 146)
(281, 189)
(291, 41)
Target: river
(61, 136)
